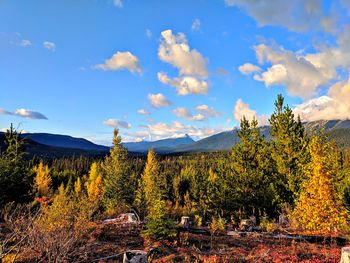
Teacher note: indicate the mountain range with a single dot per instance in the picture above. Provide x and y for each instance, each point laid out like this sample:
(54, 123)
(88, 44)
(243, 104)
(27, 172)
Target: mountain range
(56, 145)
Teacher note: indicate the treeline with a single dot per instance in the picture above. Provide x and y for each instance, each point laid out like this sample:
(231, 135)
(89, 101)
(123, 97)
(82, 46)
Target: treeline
(307, 177)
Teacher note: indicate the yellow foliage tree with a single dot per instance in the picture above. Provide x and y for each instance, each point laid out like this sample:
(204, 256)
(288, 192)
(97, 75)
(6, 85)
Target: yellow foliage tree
(150, 177)
(42, 180)
(77, 187)
(94, 185)
(319, 207)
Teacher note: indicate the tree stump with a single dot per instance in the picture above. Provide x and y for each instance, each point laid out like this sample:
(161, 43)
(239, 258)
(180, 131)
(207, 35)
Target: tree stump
(135, 256)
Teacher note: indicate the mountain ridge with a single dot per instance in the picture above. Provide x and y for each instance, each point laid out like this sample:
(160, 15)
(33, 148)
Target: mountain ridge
(338, 130)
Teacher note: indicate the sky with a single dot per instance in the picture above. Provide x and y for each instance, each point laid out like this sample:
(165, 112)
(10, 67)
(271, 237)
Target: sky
(159, 69)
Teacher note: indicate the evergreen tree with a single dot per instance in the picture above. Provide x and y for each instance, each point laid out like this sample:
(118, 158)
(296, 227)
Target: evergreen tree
(118, 179)
(319, 207)
(289, 150)
(42, 180)
(15, 177)
(159, 226)
(253, 169)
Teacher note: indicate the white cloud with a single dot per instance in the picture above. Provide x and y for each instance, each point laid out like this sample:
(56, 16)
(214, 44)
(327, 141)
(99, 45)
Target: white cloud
(207, 111)
(148, 33)
(143, 112)
(118, 3)
(296, 15)
(158, 100)
(334, 106)
(302, 75)
(185, 113)
(185, 84)
(248, 69)
(196, 24)
(242, 109)
(117, 123)
(192, 66)
(122, 60)
(24, 113)
(25, 43)
(49, 45)
(175, 50)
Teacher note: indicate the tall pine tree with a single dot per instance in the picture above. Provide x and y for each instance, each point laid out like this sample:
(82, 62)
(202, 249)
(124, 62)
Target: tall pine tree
(118, 179)
(289, 150)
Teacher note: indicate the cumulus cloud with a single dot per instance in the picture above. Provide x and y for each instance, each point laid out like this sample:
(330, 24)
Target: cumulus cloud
(49, 45)
(117, 123)
(297, 15)
(196, 24)
(143, 112)
(242, 109)
(192, 66)
(121, 60)
(175, 50)
(185, 113)
(24, 113)
(185, 84)
(302, 75)
(248, 69)
(334, 106)
(25, 43)
(118, 3)
(158, 100)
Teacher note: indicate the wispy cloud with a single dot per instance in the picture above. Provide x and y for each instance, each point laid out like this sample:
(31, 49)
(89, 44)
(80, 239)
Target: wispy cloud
(49, 46)
(25, 43)
(24, 113)
(148, 33)
(143, 112)
(118, 3)
(297, 15)
(196, 25)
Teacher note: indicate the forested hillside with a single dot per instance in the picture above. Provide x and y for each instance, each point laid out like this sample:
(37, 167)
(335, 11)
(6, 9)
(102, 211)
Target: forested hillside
(279, 170)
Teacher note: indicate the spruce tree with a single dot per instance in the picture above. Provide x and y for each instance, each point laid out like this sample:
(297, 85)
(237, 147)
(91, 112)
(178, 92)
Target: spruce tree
(289, 150)
(118, 179)
(15, 177)
(253, 169)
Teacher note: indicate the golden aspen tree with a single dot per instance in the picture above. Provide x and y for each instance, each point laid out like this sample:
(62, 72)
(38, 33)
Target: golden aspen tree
(319, 207)
(42, 180)
(94, 185)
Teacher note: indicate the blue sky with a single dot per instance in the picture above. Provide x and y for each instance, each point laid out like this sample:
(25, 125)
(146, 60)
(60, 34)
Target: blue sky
(158, 69)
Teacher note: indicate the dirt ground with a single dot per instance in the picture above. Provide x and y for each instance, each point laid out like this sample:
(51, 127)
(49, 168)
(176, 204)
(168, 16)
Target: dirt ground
(113, 240)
